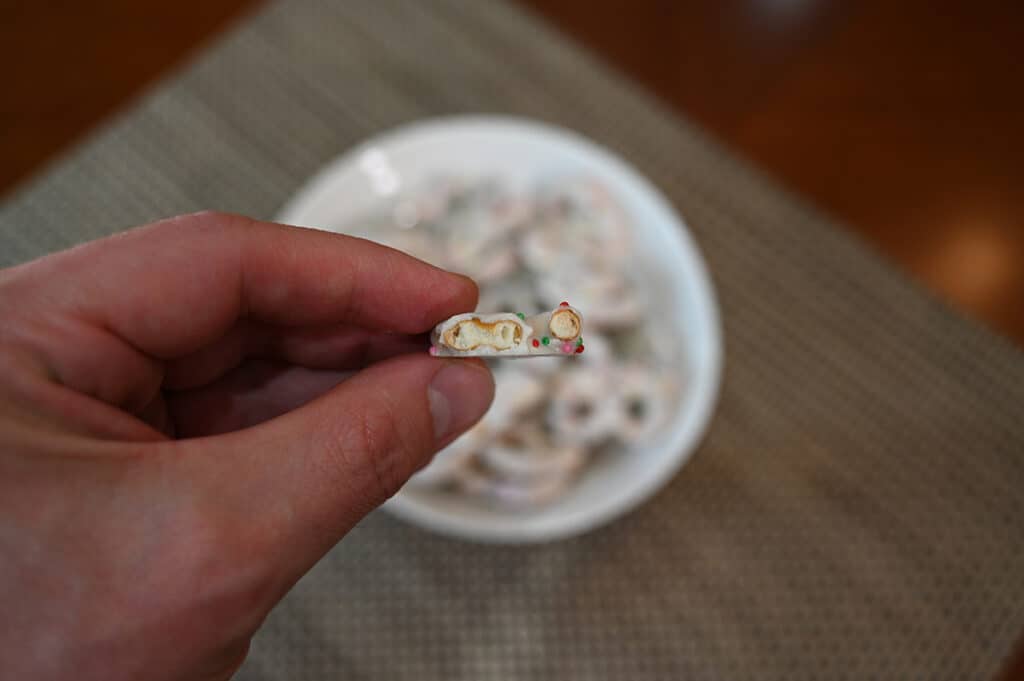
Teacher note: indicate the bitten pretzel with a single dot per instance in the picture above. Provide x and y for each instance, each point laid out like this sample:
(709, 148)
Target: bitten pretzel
(508, 334)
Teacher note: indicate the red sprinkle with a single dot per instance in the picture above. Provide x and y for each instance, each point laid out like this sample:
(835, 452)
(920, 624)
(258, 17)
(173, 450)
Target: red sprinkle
(536, 343)
(579, 349)
(563, 304)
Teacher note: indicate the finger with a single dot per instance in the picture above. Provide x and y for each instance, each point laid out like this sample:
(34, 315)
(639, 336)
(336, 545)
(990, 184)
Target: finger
(158, 415)
(290, 488)
(337, 347)
(254, 392)
(50, 407)
(172, 287)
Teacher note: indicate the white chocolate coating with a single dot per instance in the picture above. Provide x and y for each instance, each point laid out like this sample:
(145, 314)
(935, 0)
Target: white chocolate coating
(534, 460)
(514, 494)
(583, 408)
(641, 402)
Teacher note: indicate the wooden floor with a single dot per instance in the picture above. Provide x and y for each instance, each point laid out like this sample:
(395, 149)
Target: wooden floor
(902, 117)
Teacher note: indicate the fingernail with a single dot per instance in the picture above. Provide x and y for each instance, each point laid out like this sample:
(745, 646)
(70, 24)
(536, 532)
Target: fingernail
(459, 394)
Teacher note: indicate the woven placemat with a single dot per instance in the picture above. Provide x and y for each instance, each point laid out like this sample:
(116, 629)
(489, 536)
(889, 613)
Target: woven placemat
(857, 510)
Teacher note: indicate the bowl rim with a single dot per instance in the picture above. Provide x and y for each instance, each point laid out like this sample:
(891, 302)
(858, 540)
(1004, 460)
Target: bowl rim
(687, 431)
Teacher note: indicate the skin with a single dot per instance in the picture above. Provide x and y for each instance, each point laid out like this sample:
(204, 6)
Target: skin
(194, 412)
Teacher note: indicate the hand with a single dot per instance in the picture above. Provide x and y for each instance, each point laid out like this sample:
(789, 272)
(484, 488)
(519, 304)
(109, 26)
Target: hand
(128, 554)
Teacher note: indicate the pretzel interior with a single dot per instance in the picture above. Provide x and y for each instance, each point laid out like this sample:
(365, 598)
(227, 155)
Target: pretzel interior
(565, 324)
(469, 334)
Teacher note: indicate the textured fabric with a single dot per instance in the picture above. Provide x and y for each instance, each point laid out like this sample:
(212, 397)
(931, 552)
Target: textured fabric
(857, 509)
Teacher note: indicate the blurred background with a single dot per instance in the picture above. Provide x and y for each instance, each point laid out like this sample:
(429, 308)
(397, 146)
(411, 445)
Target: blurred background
(902, 119)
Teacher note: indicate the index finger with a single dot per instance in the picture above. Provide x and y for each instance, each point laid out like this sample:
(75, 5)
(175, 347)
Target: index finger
(173, 286)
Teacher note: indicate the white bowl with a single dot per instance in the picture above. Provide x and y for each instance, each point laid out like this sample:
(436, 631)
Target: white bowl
(673, 278)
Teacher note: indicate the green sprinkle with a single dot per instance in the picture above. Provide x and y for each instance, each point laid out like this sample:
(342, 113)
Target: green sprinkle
(520, 315)
(579, 341)
(545, 340)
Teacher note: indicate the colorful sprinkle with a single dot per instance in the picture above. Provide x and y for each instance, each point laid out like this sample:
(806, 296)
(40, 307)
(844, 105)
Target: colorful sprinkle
(433, 351)
(520, 315)
(545, 340)
(579, 349)
(567, 347)
(579, 341)
(536, 343)
(563, 304)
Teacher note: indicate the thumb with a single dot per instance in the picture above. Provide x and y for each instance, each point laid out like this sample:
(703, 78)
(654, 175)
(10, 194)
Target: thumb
(291, 487)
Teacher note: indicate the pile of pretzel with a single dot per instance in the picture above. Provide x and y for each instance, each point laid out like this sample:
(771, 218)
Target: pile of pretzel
(531, 251)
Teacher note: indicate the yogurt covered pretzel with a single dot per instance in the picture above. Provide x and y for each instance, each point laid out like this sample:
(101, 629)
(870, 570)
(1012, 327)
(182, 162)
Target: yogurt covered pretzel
(529, 248)
(508, 334)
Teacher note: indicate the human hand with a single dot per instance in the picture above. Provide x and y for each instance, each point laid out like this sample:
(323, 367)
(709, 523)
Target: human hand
(126, 553)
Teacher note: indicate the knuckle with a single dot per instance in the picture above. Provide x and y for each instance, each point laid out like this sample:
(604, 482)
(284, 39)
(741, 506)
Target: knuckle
(369, 451)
